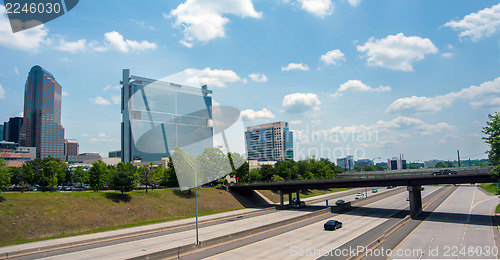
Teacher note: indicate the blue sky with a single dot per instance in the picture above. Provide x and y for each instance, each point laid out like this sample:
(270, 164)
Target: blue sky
(362, 77)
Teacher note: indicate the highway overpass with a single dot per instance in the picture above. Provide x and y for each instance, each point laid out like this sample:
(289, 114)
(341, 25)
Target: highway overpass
(413, 179)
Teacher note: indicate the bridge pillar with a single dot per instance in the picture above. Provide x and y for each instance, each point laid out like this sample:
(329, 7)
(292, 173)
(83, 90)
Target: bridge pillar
(298, 195)
(290, 199)
(415, 197)
(282, 201)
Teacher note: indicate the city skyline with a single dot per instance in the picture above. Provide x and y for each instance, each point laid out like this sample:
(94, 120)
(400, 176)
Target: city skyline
(342, 77)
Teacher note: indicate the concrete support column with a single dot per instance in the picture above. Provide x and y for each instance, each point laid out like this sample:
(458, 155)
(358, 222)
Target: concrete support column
(298, 196)
(415, 196)
(282, 201)
(290, 199)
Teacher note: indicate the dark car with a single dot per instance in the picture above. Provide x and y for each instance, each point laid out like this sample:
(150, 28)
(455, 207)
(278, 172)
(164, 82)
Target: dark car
(339, 202)
(332, 225)
(444, 172)
(298, 203)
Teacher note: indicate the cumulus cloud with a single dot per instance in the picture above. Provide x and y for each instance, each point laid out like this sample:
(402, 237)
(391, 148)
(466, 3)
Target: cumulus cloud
(65, 93)
(478, 25)
(72, 47)
(354, 3)
(258, 77)
(250, 114)
(115, 41)
(320, 8)
(295, 66)
(482, 96)
(295, 122)
(204, 20)
(358, 86)
(211, 77)
(397, 52)
(333, 57)
(99, 138)
(301, 102)
(29, 40)
(111, 87)
(101, 101)
(2, 92)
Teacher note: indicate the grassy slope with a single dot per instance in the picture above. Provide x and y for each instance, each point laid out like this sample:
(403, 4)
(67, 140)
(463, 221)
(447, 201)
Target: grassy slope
(36, 215)
(489, 187)
(304, 194)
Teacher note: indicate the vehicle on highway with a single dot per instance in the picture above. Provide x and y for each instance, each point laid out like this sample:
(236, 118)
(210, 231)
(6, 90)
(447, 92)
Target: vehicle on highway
(332, 225)
(374, 191)
(444, 172)
(422, 188)
(298, 203)
(339, 202)
(408, 198)
(390, 187)
(359, 195)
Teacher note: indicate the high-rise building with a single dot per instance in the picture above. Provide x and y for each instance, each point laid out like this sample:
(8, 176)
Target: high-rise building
(1, 132)
(158, 116)
(269, 142)
(397, 163)
(115, 154)
(347, 163)
(71, 147)
(12, 129)
(42, 115)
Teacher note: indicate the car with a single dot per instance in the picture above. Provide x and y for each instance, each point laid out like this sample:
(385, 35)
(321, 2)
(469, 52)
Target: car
(332, 225)
(359, 195)
(339, 202)
(298, 204)
(422, 188)
(444, 172)
(374, 191)
(408, 198)
(390, 187)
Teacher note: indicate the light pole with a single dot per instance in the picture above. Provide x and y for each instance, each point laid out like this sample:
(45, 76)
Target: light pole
(193, 165)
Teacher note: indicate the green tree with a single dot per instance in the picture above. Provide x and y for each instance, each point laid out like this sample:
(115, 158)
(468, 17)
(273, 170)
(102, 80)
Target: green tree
(51, 171)
(283, 170)
(379, 168)
(242, 172)
(277, 178)
(78, 175)
(357, 168)
(254, 175)
(23, 176)
(267, 172)
(369, 168)
(97, 175)
(123, 178)
(492, 138)
(5, 175)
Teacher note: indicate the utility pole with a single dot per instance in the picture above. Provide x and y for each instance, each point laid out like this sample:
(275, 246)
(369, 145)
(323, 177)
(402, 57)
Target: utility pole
(458, 155)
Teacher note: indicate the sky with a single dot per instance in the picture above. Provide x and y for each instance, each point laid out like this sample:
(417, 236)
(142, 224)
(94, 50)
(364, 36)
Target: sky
(373, 79)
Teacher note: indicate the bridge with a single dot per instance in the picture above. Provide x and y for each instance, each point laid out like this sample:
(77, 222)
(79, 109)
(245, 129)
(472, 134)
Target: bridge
(413, 179)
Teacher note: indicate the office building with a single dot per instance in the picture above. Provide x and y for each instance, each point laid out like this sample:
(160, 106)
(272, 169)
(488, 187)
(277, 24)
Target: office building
(41, 126)
(71, 147)
(1, 132)
(397, 163)
(432, 163)
(12, 129)
(158, 116)
(82, 158)
(364, 162)
(115, 154)
(269, 142)
(346, 163)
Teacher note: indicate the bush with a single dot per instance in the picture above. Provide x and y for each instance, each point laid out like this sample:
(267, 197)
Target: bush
(220, 186)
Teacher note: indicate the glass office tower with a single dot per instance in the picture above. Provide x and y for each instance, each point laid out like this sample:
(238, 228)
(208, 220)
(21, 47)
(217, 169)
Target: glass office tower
(42, 126)
(269, 142)
(158, 116)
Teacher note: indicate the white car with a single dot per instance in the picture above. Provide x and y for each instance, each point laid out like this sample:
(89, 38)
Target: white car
(359, 195)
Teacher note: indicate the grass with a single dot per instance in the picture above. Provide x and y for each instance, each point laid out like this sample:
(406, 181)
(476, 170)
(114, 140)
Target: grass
(489, 187)
(497, 210)
(32, 216)
(275, 197)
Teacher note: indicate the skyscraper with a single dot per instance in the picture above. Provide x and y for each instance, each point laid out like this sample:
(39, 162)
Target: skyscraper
(12, 128)
(158, 116)
(269, 142)
(42, 126)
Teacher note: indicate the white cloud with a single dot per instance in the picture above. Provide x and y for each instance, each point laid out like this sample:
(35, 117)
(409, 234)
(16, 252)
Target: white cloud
(295, 122)
(250, 114)
(116, 99)
(65, 93)
(2, 92)
(142, 23)
(354, 3)
(333, 57)
(72, 47)
(16, 70)
(211, 77)
(99, 138)
(447, 55)
(478, 25)
(21, 114)
(301, 102)
(111, 87)
(29, 40)
(203, 20)
(258, 77)
(316, 122)
(115, 41)
(479, 96)
(358, 86)
(320, 8)
(295, 66)
(101, 101)
(397, 52)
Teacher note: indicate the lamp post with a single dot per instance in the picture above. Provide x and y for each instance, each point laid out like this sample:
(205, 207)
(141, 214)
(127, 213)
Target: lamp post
(193, 165)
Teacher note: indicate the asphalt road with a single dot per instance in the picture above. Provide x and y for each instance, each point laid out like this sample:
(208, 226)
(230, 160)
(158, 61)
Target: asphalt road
(461, 227)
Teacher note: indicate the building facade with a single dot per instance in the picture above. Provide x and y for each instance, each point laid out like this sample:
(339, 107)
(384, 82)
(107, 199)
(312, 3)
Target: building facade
(1, 132)
(432, 163)
(71, 147)
(12, 129)
(397, 164)
(158, 116)
(269, 142)
(115, 154)
(42, 126)
(347, 163)
(364, 162)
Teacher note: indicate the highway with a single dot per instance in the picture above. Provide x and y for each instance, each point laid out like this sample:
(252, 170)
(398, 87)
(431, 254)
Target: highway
(461, 227)
(312, 241)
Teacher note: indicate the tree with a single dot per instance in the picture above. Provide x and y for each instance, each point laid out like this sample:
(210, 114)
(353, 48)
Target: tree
(277, 178)
(492, 130)
(267, 172)
(379, 167)
(97, 175)
(283, 170)
(23, 176)
(254, 175)
(369, 168)
(5, 175)
(54, 172)
(123, 178)
(357, 168)
(78, 175)
(242, 172)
